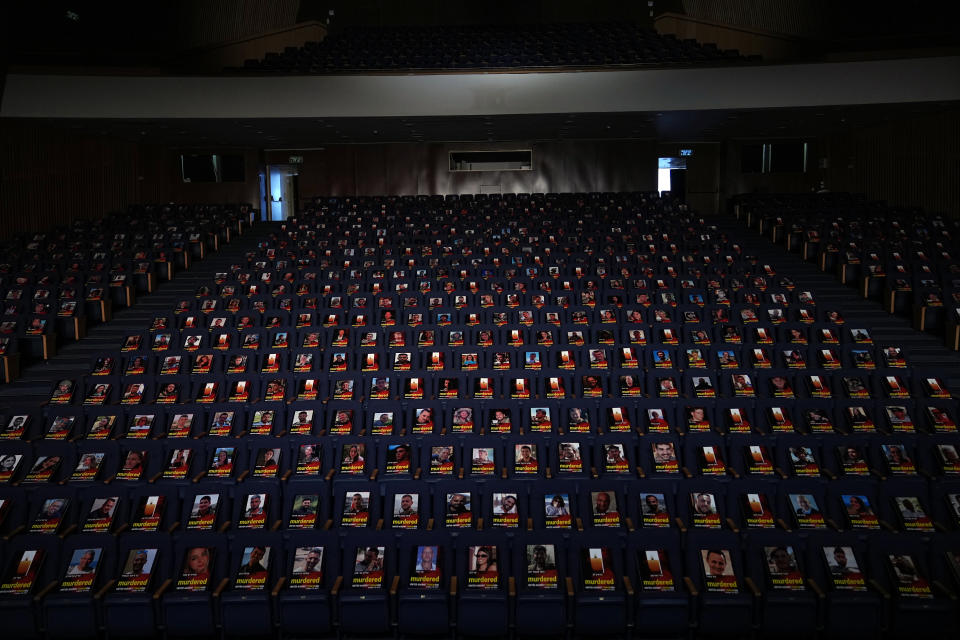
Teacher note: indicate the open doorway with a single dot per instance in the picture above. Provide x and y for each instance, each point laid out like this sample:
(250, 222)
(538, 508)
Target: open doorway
(672, 176)
(282, 192)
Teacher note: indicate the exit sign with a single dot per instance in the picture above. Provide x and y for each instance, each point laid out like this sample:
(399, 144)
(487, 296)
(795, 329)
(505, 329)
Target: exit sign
(686, 152)
(296, 159)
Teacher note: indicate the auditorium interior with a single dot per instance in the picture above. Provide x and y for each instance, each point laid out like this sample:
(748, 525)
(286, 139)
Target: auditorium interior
(490, 319)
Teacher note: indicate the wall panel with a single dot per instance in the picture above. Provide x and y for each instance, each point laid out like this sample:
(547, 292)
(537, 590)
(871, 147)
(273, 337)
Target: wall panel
(411, 169)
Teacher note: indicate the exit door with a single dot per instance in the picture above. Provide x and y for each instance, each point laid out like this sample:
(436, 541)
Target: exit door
(282, 191)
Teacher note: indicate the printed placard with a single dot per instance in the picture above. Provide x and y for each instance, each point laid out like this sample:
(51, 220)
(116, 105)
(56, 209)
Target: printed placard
(568, 457)
(541, 561)
(368, 568)
(505, 513)
(356, 509)
(756, 511)
(148, 513)
(353, 458)
(844, 569)
(406, 511)
(525, 460)
(203, 513)
(783, 571)
(605, 510)
(483, 570)
(718, 575)
(459, 513)
(483, 461)
(758, 460)
(254, 568)
(101, 515)
(196, 569)
(21, 574)
(859, 512)
(137, 570)
(307, 571)
(653, 511)
(81, 571)
(655, 572)
(88, 466)
(597, 569)
(703, 511)
(303, 514)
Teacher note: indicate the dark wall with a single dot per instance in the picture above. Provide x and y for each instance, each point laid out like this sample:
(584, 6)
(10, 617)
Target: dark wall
(424, 168)
(910, 162)
(51, 176)
(907, 162)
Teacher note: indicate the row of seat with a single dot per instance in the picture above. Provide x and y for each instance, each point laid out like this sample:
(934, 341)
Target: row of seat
(695, 482)
(488, 583)
(56, 282)
(575, 44)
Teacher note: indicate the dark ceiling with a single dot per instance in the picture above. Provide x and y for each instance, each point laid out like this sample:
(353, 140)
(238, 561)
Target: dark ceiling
(675, 126)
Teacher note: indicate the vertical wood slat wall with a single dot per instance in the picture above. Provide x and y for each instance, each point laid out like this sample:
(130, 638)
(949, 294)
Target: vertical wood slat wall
(790, 18)
(207, 22)
(48, 177)
(912, 163)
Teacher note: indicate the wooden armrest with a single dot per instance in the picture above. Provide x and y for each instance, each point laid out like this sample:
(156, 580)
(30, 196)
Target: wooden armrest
(593, 473)
(155, 477)
(379, 526)
(579, 524)
(686, 472)
(394, 585)
(640, 473)
(373, 476)
(878, 588)
(733, 525)
(629, 523)
(779, 472)
(453, 586)
(73, 527)
(276, 525)
(329, 475)
(286, 475)
(628, 586)
(417, 473)
(529, 524)
(278, 586)
(692, 588)
(503, 473)
(752, 586)
(15, 531)
(328, 524)
(220, 587)
(832, 524)
(569, 587)
(43, 592)
(480, 524)
(223, 527)
(123, 527)
(945, 591)
(830, 474)
(103, 591)
(549, 473)
(162, 588)
(886, 525)
(783, 524)
(733, 472)
(197, 478)
(680, 524)
(335, 589)
(816, 588)
(173, 527)
(243, 475)
(430, 524)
